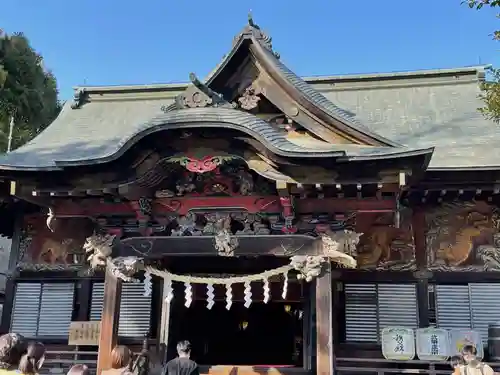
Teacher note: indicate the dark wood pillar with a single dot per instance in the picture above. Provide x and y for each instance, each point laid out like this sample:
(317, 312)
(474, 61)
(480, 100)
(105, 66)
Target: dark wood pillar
(109, 321)
(84, 299)
(422, 275)
(8, 305)
(10, 286)
(324, 305)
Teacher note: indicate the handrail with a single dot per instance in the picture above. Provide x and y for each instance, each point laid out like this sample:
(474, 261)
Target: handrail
(412, 361)
(71, 352)
(382, 366)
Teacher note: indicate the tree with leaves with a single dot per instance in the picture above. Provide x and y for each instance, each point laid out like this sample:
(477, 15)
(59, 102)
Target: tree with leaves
(28, 92)
(490, 93)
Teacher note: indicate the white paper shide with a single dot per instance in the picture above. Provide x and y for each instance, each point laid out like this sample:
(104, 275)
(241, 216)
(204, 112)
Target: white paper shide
(398, 343)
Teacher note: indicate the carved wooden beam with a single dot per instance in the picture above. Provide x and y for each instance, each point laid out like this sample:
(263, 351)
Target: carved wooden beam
(248, 245)
(253, 204)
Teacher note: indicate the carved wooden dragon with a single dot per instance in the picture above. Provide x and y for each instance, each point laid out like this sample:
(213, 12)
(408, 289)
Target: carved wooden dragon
(456, 250)
(99, 251)
(378, 241)
(57, 251)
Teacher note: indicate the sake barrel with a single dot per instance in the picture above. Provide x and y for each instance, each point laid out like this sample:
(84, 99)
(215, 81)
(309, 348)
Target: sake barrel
(494, 341)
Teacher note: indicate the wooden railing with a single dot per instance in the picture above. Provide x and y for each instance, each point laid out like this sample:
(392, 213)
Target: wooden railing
(367, 366)
(59, 362)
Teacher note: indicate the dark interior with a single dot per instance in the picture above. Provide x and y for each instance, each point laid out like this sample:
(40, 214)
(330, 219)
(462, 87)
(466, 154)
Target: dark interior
(273, 336)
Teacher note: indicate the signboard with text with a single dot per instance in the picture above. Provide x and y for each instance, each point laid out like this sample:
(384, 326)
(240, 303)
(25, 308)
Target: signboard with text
(84, 333)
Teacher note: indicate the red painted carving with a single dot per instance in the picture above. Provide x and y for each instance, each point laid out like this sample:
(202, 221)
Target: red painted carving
(286, 203)
(288, 214)
(207, 164)
(265, 204)
(117, 232)
(249, 204)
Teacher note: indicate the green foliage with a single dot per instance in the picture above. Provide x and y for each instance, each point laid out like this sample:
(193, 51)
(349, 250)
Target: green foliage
(490, 93)
(27, 91)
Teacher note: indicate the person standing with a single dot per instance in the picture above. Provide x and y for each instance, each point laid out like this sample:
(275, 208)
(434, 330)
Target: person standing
(121, 359)
(473, 365)
(183, 364)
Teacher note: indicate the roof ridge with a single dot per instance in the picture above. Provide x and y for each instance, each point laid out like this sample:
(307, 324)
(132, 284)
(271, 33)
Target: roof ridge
(310, 79)
(474, 69)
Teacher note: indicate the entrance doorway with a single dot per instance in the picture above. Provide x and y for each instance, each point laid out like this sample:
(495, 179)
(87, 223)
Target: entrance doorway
(263, 334)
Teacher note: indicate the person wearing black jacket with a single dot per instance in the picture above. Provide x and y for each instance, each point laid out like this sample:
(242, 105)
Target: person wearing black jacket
(182, 365)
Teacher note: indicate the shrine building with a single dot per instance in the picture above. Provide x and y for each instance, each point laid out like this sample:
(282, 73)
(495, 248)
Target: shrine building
(276, 222)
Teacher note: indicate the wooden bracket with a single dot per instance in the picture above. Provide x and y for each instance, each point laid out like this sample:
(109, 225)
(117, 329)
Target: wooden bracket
(143, 212)
(288, 211)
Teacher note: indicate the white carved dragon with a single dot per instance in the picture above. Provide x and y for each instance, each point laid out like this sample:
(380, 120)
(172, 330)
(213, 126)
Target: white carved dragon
(99, 250)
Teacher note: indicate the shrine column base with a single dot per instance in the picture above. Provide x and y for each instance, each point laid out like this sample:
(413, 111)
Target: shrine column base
(109, 321)
(324, 331)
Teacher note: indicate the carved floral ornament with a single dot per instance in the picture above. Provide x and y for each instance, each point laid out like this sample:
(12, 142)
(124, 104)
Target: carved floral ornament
(206, 164)
(338, 247)
(202, 162)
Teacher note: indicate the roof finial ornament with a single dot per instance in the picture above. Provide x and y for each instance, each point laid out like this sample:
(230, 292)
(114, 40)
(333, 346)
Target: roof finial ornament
(79, 98)
(254, 30)
(200, 95)
(203, 88)
(250, 19)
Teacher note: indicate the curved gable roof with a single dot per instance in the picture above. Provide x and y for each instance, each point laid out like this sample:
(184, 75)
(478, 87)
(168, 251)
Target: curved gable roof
(92, 144)
(332, 114)
(101, 131)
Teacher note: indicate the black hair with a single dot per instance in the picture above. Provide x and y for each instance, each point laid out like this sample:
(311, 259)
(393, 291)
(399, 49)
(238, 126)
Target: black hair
(30, 362)
(456, 360)
(469, 349)
(184, 347)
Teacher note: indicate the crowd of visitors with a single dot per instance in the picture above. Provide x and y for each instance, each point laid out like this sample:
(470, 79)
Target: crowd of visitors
(20, 357)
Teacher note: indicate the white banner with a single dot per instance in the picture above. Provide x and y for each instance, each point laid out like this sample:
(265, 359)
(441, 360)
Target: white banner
(398, 343)
(433, 344)
(462, 337)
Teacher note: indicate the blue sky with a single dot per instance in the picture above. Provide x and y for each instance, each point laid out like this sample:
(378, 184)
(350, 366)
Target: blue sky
(101, 42)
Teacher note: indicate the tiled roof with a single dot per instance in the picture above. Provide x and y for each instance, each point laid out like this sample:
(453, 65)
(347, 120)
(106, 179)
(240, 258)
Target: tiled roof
(412, 111)
(426, 111)
(320, 101)
(86, 135)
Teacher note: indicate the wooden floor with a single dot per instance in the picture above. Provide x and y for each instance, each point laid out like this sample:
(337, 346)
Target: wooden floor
(59, 362)
(252, 370)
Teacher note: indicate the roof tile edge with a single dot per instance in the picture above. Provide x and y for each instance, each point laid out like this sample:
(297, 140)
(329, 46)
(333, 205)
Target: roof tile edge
(478, 71)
